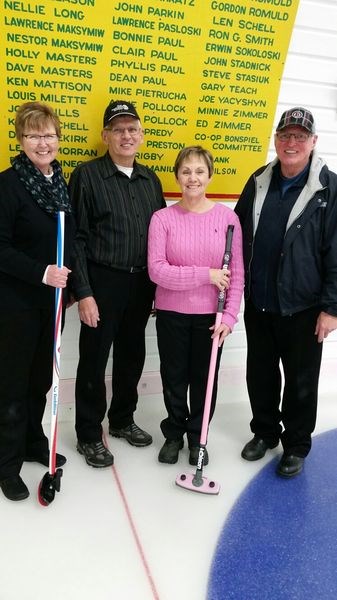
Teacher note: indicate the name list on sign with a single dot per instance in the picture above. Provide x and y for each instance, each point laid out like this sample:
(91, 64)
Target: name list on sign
(199, 72)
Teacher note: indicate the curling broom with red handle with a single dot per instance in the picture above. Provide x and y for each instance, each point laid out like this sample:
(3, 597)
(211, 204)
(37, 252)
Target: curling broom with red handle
(197, 482)
(51, 481)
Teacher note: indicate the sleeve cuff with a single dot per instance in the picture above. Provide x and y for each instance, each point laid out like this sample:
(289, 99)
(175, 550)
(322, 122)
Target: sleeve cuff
(44, 278)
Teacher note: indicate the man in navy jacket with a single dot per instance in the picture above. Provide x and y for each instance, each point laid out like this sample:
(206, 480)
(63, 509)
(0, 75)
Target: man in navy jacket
(288, 213)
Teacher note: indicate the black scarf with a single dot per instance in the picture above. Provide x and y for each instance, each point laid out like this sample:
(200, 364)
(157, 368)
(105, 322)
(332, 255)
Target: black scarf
(51, 196)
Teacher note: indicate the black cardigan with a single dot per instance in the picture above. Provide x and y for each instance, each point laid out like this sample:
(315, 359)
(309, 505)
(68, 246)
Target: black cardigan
(28, 238)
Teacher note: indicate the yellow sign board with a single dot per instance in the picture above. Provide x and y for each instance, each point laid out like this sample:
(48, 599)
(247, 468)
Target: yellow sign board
(199, 72)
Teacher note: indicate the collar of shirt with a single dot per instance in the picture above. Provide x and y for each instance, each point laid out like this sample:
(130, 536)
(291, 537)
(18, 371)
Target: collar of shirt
(109, 169)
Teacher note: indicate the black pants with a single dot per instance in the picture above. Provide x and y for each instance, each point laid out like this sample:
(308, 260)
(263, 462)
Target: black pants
(124, 302)
(26, 355)
(184, 343)
(272, 339)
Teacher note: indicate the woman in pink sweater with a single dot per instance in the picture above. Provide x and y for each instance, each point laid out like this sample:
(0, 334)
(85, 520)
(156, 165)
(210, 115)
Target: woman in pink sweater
(185, 253)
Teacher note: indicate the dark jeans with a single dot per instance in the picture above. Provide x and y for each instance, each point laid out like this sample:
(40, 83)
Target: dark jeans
(184, 343)
(290, 340)
(124, 302)
(26, 355)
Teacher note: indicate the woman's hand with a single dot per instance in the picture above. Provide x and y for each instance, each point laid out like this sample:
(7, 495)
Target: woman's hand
(57, 276)
(222, 331)
(220, 278)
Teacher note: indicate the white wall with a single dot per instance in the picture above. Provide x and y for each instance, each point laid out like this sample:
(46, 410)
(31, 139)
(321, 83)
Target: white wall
(310, 79)
(310, 73)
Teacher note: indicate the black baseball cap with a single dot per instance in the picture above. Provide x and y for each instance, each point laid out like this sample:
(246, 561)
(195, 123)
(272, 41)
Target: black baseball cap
(118, 108)
(297, 116)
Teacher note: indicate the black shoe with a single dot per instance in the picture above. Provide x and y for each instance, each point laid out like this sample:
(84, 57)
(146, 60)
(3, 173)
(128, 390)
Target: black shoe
(43, 459)
(95, 454)
(133, 434)
(170, 451)
(14, 488)
(194, 455)
(256, 449)
(290, 465)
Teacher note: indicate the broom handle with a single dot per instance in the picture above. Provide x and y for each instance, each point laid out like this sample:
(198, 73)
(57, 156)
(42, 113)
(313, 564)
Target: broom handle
(215, 347)
(57, 347)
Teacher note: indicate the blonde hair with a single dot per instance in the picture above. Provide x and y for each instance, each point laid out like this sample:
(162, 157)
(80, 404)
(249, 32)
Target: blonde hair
(197, 151)
(35, 115)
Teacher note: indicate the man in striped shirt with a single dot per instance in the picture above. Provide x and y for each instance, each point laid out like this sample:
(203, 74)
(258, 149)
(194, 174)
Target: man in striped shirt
(114, 198)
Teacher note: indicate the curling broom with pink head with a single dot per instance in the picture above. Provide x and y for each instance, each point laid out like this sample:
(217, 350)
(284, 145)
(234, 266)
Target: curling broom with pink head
(197, 482)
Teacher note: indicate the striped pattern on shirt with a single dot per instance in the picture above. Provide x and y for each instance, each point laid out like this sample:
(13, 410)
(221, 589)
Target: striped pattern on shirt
(112, 213)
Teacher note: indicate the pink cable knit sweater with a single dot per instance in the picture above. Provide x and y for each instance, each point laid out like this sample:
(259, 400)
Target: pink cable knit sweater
(182, 247)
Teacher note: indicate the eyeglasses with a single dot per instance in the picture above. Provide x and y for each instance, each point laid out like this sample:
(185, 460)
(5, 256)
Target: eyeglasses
(298, 137)
(119, 131)
(35, 138)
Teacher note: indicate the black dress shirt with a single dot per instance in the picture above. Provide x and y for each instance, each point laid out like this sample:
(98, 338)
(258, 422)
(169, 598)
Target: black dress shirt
(112, 213)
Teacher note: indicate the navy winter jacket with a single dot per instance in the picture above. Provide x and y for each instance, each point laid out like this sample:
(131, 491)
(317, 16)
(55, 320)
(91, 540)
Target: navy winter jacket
(307, 272)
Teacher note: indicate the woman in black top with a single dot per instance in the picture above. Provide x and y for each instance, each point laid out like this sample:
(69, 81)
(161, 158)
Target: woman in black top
(32, 191)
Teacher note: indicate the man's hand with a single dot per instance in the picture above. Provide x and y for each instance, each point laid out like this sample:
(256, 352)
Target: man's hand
(325, 324)
(88, 311)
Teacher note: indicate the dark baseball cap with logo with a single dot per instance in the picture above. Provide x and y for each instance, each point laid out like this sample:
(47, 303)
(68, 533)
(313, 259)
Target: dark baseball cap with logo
(297, 116)
(118, 108)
